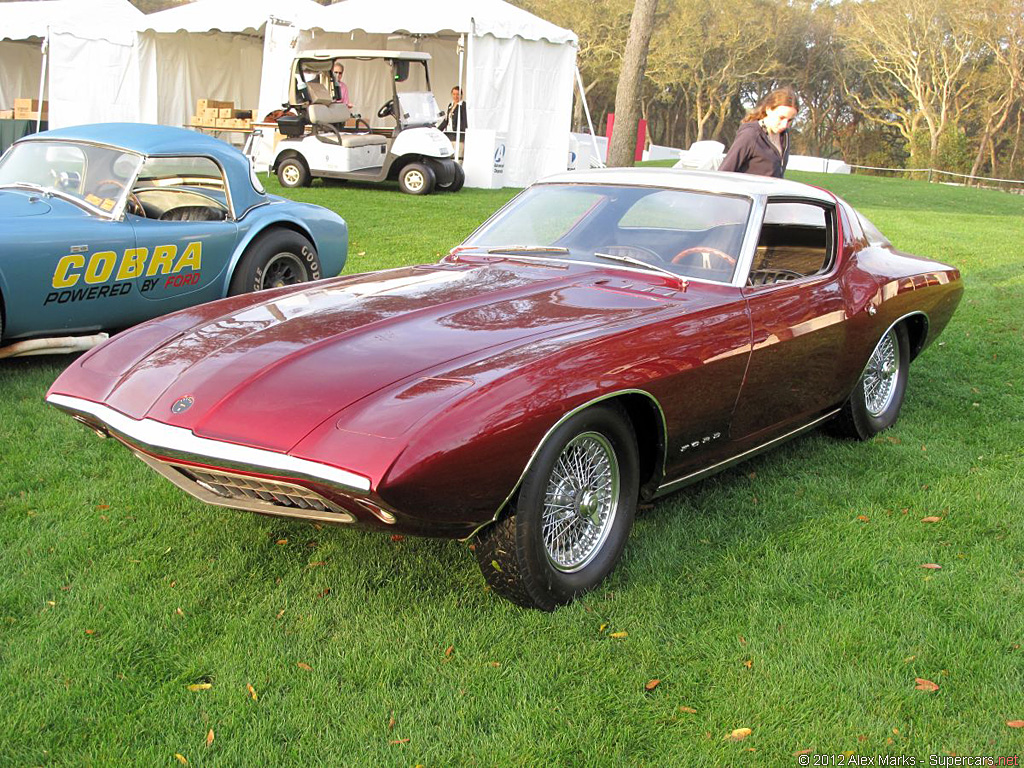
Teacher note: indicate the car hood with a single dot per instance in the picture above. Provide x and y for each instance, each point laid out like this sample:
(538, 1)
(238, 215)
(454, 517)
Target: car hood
(267, 374)
(18, 203)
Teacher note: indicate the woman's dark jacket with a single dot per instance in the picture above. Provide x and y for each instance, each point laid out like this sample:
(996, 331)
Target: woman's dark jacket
(753, 152)
(454, 119)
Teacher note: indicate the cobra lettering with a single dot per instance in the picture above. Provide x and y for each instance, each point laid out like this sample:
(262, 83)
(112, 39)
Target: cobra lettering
(134, 263)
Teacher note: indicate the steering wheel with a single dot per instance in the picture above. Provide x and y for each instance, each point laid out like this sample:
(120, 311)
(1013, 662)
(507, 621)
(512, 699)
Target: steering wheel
(119, 185)
(133, 206)
(387, 109)
(707, 253)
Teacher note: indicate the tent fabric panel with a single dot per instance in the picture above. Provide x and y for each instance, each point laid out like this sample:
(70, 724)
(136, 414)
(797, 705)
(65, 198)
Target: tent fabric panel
(30, 18)
(20, 63)
(523, 88)
(240, 16)
(104, 90)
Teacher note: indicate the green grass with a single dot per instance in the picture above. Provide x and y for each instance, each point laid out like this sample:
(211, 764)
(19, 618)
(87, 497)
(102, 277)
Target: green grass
(770, 563)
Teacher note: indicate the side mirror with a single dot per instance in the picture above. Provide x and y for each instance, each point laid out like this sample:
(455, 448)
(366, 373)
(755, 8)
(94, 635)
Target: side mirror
(401, 70)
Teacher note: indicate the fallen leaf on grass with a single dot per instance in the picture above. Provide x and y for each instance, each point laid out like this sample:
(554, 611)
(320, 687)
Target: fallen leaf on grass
(930, 519)
(399, 741)
(282, 542)
(304, 665)
(179, 611)
(494, 663)
(749, 663)
(280, 613)
(180, 758)
(802, 752)
(688, 710)
(252, 691)
(449, 651)
(863, 518)
(1015, 723)
(925, 685)
(739, 734)
(397, 537)
(391, 722)
(102, 506)
(90, 631)
(200, 686)
(209, 738)
(931, 566)
(652, 684)
(317, 564)
(909, 659)
(619, 635)
(325, 593)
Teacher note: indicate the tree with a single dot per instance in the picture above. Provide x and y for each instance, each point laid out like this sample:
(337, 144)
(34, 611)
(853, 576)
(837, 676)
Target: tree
(631, 76)
(918, 55)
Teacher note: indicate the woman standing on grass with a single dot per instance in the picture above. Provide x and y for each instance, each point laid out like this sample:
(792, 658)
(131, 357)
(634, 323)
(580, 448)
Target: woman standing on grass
(761, 145)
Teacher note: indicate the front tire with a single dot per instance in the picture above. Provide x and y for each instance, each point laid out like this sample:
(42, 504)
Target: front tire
(417, 179)
(276, 259)
(292, 172)
(572, 515)
(874, 404)
(456, 183)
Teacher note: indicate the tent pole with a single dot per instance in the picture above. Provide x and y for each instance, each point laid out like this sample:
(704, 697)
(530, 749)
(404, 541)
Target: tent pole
(586, 111)
(42, 79)
(462, 94)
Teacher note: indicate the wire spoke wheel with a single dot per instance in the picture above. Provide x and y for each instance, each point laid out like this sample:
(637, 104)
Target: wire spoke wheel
(882, 375)
(580, 502)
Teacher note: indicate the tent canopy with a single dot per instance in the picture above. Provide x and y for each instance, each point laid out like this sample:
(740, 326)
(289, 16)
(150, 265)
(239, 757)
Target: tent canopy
(479, 17)
(30, 18)
(239, 16)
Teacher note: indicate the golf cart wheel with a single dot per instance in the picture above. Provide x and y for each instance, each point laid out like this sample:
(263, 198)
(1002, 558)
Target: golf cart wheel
(417, 179)
(571, 516)
(279, 258)
(456, 183)
(292, 172)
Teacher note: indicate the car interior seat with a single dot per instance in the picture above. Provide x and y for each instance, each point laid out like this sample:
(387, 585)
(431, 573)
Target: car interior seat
(328, 118)
(193, 213)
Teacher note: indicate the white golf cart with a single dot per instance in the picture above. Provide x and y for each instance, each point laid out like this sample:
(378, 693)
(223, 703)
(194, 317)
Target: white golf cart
(326, 139)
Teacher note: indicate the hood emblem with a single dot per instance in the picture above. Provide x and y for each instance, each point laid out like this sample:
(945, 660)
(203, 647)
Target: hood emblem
(182, 404)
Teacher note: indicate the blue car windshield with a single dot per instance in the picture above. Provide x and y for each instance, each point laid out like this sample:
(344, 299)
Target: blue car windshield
(97, 177)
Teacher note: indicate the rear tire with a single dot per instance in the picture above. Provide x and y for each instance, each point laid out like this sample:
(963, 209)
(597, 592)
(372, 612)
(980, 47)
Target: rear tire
(874, 404)
(572, 514)
(417, 179)
(275, 259)
(293, 172)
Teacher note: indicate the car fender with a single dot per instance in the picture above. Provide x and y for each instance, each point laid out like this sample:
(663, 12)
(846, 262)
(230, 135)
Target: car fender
(317, 224)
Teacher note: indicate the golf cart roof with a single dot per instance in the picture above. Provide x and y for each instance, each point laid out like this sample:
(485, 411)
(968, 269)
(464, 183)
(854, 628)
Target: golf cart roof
(356, 53)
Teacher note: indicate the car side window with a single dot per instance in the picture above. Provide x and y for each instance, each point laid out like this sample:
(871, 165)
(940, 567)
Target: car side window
(180, 189)
(797, 240)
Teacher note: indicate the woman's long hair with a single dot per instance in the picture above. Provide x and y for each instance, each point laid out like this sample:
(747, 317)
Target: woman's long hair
(780, 97)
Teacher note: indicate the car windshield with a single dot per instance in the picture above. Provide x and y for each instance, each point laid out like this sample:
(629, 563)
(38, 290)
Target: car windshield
(417, 102)
(691, 234)
(97, 177)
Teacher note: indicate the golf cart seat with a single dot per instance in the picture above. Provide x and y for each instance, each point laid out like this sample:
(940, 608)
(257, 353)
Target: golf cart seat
(332, 115)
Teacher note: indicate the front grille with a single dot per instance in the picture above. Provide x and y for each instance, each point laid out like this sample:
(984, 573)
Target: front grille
(243, 487)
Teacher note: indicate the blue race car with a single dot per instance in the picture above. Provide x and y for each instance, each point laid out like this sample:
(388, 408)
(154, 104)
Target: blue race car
(103, 226)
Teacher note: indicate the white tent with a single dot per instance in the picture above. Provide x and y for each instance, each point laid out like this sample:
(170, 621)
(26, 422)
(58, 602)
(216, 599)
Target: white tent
(517, 69)
(26, 25)
(155, 69)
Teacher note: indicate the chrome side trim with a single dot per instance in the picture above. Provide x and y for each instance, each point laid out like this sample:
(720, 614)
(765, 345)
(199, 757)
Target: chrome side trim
(694, 477)
(179, 443)
(208, 497)
(556, 425)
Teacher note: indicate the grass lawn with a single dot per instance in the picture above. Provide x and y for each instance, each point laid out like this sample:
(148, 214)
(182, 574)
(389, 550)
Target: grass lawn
(785, 595)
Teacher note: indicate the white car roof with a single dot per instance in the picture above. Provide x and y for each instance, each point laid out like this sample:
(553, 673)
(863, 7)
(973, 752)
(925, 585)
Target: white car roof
(720, 182)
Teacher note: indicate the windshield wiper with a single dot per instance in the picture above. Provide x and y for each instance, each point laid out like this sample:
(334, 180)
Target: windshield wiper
(678, 279)
(528, 249)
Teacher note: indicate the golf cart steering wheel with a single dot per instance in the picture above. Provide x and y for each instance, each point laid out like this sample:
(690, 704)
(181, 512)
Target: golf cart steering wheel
(387, 109)
(707, 253)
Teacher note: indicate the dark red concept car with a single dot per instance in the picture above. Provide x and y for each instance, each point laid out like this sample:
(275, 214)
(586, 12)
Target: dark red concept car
(607, 337)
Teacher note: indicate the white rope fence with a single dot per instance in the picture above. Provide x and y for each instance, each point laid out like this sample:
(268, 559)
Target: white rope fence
(935, 171)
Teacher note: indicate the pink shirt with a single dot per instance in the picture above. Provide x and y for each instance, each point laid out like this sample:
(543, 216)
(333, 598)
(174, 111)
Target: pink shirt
(342, 92)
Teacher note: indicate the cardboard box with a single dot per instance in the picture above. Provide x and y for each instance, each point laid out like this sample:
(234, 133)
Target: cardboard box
(31, 115)
(204, 104)
(226, 113)
(209, 116)
(30, 105)
(6, 114)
